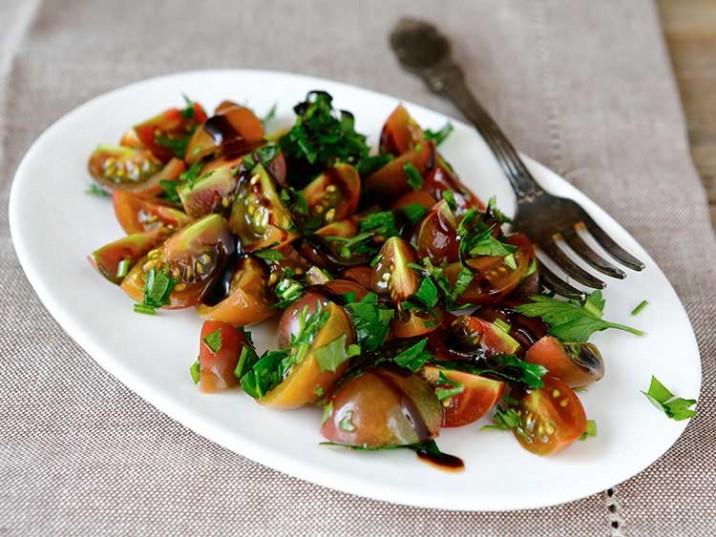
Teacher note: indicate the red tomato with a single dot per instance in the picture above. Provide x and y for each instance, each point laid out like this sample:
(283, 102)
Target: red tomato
(392, 273)
(437, 235)
(577, 364)
(333, 195)
(442, 179)
(381, 407)
(412, 323)
(478, 396)
(165, 134)
(472, 332)
(391, 181)
(551, 417)
(415, 197)
(131, 248)
(136, 213)
(122, 167)
(400, 133)
(216, 369)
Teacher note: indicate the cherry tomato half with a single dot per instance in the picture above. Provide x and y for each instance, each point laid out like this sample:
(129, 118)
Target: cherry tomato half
(577, 364)
(166, 135)
(217, 364)
(437, 235)
(381, 407)
(551, 417)
(400, 133)
(472, 333)
(392, 274)
(137, 213)
(334, 194)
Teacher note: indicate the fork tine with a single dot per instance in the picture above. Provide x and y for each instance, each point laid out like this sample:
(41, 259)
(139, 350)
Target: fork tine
(590, 256)
(555, 284)
(610, 246)
(570, 267)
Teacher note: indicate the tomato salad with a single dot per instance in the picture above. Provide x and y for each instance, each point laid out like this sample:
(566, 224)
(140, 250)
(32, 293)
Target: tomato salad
(404, 304)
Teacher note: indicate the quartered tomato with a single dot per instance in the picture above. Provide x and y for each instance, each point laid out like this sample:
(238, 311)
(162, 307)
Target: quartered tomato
(400, 133)
(128, 250)
(344, 228)
(477, 394)
(474, 333)
(551, 417)
(392, 273)
(577, 364)
(167, 134)
(525, 330)
(493, 279)
(334, 194)
(437, 235)
(305, 381)
(382, 407)
(233, 130)
(362, 275)
(290, 323)
(412, 323)
(415, 197)
(212, 193)
(391, 181)
(137, 213)
(220, 347)
(258, 216)
(441, 179)
(120, 167)
(341, 288)
(195, 257)
(152, 186)
(248, 301)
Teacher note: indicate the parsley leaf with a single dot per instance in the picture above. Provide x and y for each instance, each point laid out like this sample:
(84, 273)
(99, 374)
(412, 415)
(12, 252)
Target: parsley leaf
(100, 192)
(158, 285)
(447, 387)
(333, 354)
(414, 212)
(270, 114)
(381, 223)
(591, 430)
(439, 136)
(189, 111)
(269, 255)
(674, 407)
(373, 163)
(572, 321)
(214, 341)
(415, 180)
(414, 357)
(636, 311)
(484, 243)
(195, 371)
(506, 420)
(247, 360)
(371, 321)
(427, 293)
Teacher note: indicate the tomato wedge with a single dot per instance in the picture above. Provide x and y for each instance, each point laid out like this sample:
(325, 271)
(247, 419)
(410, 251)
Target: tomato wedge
(136, 213)
(551, 417)
(577, 364)
(166, 135)
(220, 347)
(129, 250)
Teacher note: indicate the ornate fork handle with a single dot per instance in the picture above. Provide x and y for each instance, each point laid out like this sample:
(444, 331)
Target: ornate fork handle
(448, 80)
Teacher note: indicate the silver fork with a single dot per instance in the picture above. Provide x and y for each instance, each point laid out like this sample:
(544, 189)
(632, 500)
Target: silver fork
(546, 219)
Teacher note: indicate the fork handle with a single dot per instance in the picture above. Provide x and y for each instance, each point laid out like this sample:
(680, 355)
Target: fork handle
(449, 81)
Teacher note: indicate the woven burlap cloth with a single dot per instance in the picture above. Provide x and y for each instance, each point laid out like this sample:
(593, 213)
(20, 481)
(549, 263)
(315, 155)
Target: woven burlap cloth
(583, 86)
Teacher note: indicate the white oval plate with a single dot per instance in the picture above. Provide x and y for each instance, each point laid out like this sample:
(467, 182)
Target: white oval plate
(55, 224)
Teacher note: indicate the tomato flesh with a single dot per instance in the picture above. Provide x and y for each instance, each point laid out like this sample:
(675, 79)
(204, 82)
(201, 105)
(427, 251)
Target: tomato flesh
(137, 213)
(167, 133)
(472, 333)
(400, 133)
(217, 365)
(391, 181)
(131, 249)
(478, 396)
(576, 364)
(114, 166)
(551, 417)
(437, 235)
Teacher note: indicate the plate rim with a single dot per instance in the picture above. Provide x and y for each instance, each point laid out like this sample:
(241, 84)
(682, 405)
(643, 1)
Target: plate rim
(261, 454)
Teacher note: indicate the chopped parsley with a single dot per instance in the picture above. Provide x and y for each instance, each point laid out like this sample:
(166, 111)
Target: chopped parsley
(414, 357)
(636, 311)
(590, 431)
(94, 190)
(439, 136)
(288, 290)
(415, 180)
(485, 243)
(346, 424)
(269, 255)
(572, 321)
(414, 212)
(449, 198)
(214, 341)
(270, 114)
(373, 163)
(506, 420)
(371, 321)
(122, 268)
(327, 411)
(194, 371)
(427, 293)
(189, 111)
(247, 360)
(447, 387)
(158, 285)
(332, 355)
(674, 407)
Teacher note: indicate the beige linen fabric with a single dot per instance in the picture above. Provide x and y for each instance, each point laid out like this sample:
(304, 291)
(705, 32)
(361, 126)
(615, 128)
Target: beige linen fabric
(583, 86)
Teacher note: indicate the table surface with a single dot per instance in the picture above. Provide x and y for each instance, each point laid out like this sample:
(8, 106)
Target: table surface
(690, 30)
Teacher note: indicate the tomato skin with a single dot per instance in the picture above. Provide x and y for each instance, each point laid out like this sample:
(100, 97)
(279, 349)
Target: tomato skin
(153, 185)
(414, 197)
(480, 394)
(207, 242)
(441, 179)
(170, 124)
(306, 381)
(137, 213)
(390, 182)
(216, 370)
(288, 326)
(472, 332)
(233, 130)
(577, 365)
(334, 194)
(552, 417)
(115, 166)
(412, 323)
(437, 235)
(380, 407)
(400, 133)
(211, 194)
(362, 275)
(132, 248)
(248, 301)
(392, 273)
